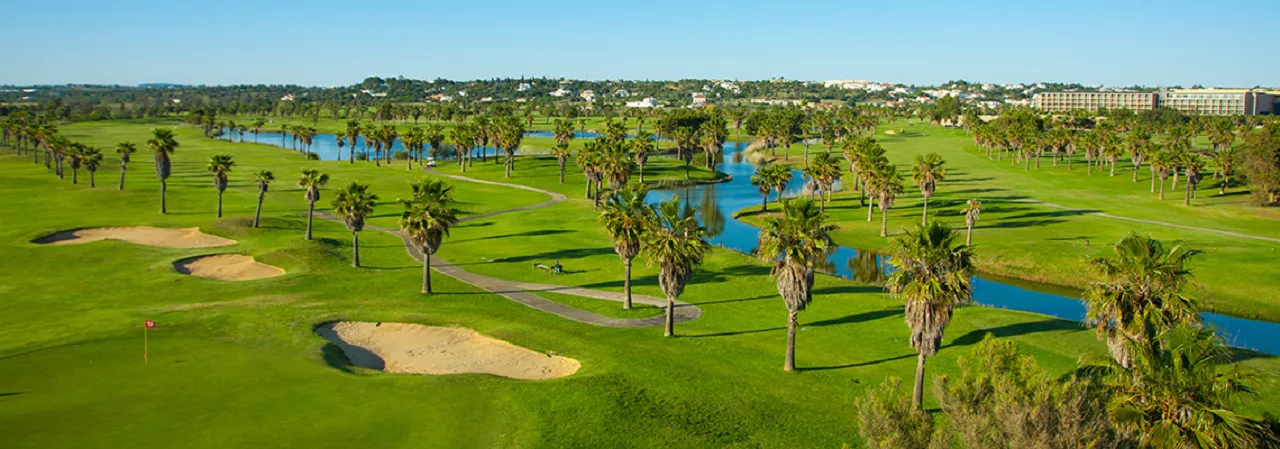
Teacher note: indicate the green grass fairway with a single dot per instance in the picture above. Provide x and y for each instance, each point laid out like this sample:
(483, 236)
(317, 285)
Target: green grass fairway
(238, 364)
(1019, 236)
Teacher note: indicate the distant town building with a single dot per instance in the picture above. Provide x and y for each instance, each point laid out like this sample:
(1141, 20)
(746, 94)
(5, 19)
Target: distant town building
(645, 103)
(287, 97)
(699, 98)
(1092, 101)
(621, 93)
(588, 95)
(523, 87)
(1189, 101)
(561, 92)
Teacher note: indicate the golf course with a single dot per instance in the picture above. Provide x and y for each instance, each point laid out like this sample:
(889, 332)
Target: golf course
(263, 337)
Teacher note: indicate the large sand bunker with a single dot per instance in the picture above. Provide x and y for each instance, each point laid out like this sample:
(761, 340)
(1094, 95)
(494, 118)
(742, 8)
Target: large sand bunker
(227, 267)
(142, 235)
(418, 349)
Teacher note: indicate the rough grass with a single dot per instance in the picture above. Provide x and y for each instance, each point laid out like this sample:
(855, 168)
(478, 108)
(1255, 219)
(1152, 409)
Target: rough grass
(238, 364)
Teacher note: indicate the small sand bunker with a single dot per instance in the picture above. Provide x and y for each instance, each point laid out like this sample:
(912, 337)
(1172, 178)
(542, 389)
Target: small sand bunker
(227, 267)
(418, 349)
(142, 235)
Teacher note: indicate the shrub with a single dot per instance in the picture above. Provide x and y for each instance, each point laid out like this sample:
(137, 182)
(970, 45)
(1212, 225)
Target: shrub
(889, 420)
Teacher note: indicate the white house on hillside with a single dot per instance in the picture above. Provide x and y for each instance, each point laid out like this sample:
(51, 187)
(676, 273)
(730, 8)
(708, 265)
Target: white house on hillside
(645, 103)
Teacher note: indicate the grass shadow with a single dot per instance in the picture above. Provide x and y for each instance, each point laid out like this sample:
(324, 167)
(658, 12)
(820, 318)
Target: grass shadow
(727, 334)
(858, 317)
(855, 365)
(1014, 330)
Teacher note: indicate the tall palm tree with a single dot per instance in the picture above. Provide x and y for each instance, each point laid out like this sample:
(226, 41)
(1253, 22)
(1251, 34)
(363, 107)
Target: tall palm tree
(561, 152)
(312, 180)
(677, 246)
(642, 146)
(219, 165)
(464, 138)
(884, 185)
(75, 160)
(125, 150)
(263, 178)
(932, 277)
(163, 144)
(354, 203)
(797, 244)
(1192, 165)
(1180, 392)
(766, 179)
(927, 171)
(972, 209)
(434, 136)
(412, 140)
(627, 217)
(257, 128)
(1141, 292)
(92, 159)
(824, 170)
(353, 135)
(427, 219)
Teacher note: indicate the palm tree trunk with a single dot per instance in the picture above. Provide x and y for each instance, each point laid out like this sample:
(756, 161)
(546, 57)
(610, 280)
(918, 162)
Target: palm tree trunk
(122, 171)
(641, 174)
(219, 204)
(1162, 189)
(1222, 189)
(1186, 195)
(426, 272)
(75, 176)
(670, 330)
(562, 173)
(884, 223)
(764, 203)
(918, 395)
(626, 286)
(311, 211)
(968, 238)
(163, 188)
(92, 182)
(924, 217)
(789, 364)
(355, 249)
(871, 210)
(257, 214)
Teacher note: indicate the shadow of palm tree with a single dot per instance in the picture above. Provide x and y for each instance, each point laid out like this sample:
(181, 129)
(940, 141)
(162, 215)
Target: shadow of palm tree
(859, 317)
(726, 334)
(535, 233)
(1013, 330)
(855, 365)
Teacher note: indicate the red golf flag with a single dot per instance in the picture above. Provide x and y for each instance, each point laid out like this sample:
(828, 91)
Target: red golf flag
(151, 324)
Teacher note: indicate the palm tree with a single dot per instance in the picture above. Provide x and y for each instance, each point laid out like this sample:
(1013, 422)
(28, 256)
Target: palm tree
(765, 179)
(75, 151)
(354, 203)
(641, 146)
(824, 170)
(353, 135)
(884, 185)
(427, 219)
(263, 178)
(972, 209)
(1192, 165)
(257, 128)
(627, 217)
(927, 171)
(219, 165)
(162, 144)
(312, 180)
(1140, 293)
(412, 140)
(676, 244)
(561, 151)
(797, 244)
(92, 159)
(1180, 392)
(125, 150)
(933, 277)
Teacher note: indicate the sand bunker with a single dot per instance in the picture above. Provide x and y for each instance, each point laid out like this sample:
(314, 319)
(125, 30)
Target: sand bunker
(142, 235)
(227, 267)
(418, 349)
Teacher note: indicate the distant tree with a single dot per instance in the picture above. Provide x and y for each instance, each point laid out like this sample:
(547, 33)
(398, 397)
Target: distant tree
(927, 171)
(972, 209)
(92, 159)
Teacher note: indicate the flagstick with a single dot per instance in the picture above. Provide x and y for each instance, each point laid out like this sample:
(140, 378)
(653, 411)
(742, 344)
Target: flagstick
(144, 344)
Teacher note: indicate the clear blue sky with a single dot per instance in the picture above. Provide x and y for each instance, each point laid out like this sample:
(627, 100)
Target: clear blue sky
(322, 42)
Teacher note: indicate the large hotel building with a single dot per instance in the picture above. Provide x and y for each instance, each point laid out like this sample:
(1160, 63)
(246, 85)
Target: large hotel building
(1190, 101)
